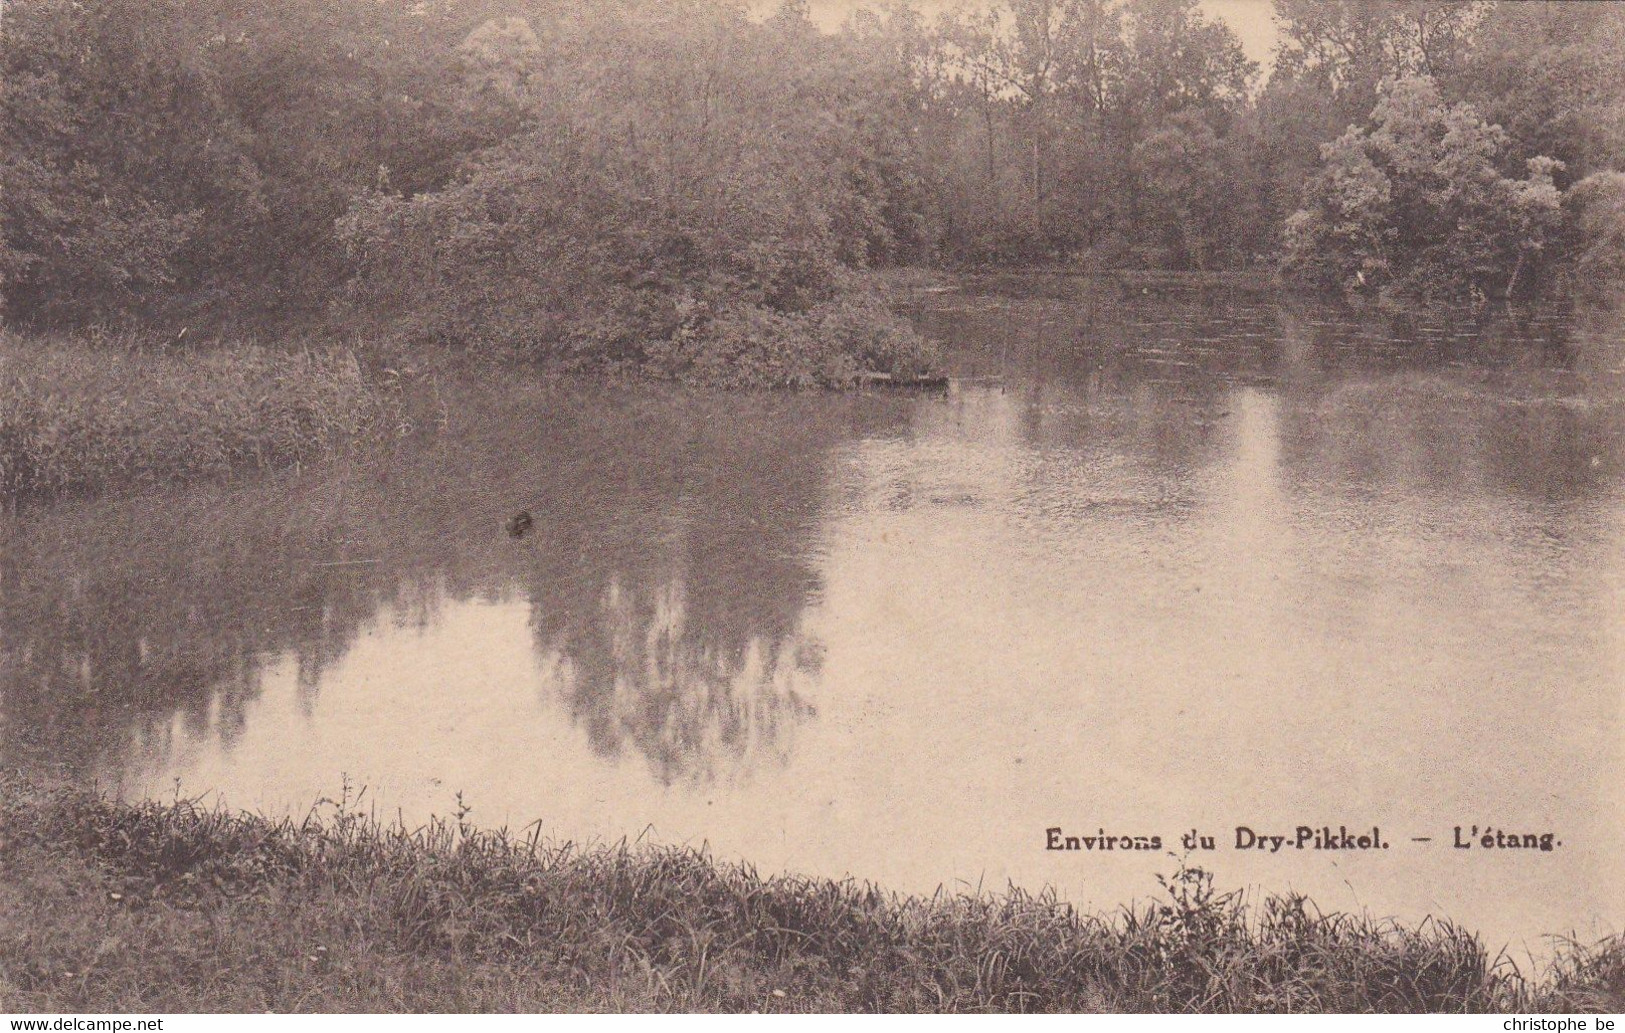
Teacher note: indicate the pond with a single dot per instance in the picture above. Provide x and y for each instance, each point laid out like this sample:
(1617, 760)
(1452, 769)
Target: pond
(1152, 566)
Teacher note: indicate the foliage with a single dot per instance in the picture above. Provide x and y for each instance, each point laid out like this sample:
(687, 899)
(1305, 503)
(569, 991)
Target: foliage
(1416, 206)
(827, 345)
(1549, 75)
(565, 181)
(660, 928)
(112, 176)
(1191, 211)
(640, 222)
(1057, 122)
(1348, 48)
(1597, 209)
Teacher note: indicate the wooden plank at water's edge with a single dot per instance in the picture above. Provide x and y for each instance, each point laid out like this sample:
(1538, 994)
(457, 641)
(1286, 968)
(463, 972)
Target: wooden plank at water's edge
(922, 384)
(1166, 281)
(892, 380)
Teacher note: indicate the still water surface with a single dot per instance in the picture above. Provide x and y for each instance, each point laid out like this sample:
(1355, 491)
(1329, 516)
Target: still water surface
(1194, 563)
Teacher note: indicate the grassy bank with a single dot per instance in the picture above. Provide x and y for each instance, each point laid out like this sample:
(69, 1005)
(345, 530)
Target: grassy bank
(179, 908)
(77, 415)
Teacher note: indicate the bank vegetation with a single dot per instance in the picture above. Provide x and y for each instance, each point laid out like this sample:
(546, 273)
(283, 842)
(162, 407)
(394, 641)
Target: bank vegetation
(83, 414)
(106, 906)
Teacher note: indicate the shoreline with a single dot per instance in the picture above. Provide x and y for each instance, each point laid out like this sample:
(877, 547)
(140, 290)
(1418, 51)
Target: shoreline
(115, 906)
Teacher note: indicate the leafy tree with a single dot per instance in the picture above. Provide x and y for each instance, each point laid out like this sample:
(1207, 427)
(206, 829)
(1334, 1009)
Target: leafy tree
(1186, 78)
(1347, 48)
(1596, 206)
(1055, 103)
(1178, 60)
(1200, 202)
(1333, 57)
(615, 183)
(1550, 75)
(1177, 164)
(122, 176)
(1416, 204)
(1344, 240)
(336, 99)
(687, 186)
(177, 156)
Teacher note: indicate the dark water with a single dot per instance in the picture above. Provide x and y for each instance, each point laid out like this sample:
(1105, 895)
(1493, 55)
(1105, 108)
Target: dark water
(1194, 563)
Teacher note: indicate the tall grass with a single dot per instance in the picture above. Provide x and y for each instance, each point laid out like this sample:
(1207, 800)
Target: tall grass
(640, 927)
(79, 414)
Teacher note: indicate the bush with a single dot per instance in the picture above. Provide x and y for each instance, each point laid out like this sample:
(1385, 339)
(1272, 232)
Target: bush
(545, 255)
(1415, 207)
(744, 345)
(686, 216)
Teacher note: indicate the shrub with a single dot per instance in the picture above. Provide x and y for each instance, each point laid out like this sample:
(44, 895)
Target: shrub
(542, 256)
(1415, 206)
(744, 345)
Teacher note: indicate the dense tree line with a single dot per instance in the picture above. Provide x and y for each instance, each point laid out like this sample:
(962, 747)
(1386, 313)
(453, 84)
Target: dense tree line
(666, 183)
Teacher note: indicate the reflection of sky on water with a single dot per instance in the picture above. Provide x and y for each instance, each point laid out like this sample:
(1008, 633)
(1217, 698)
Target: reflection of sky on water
(1194, 565)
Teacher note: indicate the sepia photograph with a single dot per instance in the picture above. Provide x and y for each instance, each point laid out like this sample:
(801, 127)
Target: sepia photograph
(812, 506)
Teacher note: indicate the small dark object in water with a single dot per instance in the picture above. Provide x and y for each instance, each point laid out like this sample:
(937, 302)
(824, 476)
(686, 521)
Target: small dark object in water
(519, 523)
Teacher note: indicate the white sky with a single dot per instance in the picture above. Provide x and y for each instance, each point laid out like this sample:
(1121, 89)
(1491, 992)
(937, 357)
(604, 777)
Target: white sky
(1252, 21)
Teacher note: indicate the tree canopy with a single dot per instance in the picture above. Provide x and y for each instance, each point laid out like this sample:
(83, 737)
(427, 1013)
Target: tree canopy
(608, 180)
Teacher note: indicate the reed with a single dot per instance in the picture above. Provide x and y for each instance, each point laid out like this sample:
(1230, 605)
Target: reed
(83, 414)
(177, 906)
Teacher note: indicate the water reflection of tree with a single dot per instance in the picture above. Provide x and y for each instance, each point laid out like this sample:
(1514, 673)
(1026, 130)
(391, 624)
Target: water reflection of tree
(120, 619)
(682, 630)
(669, 567)
(1091, 372)
(1516, 404)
